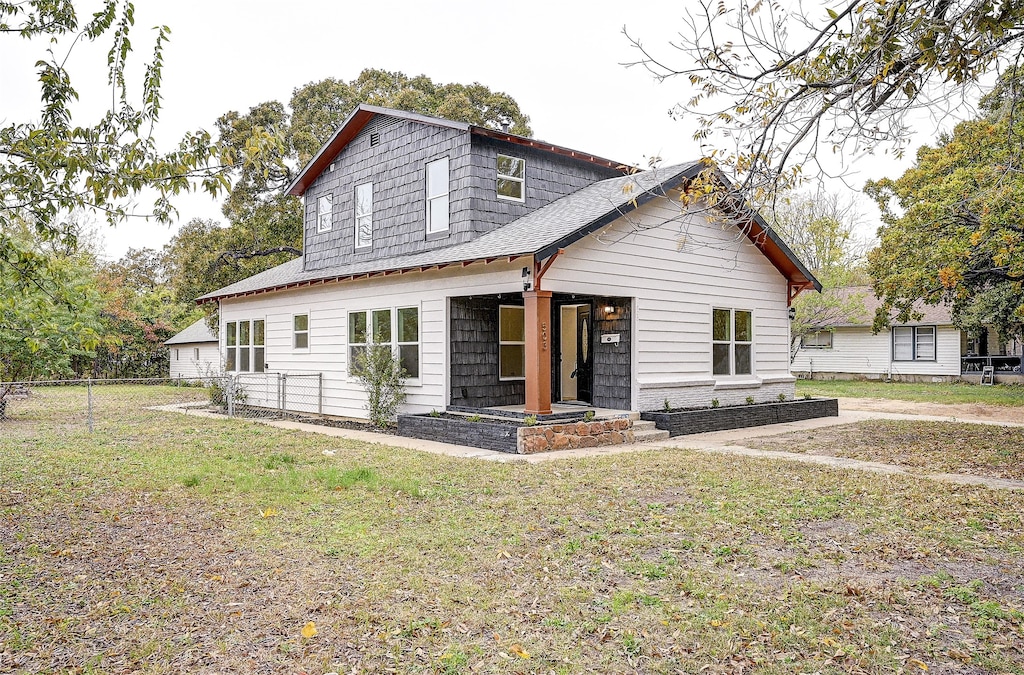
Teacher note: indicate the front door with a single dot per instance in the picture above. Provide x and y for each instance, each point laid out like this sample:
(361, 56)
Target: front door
(584, 355)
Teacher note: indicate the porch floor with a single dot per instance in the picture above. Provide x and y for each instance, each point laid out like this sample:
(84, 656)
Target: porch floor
(557, 410)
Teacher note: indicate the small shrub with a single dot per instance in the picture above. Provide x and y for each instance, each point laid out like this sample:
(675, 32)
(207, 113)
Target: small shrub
(807, 397)
(589, 416)
(668, 406)
(714, 403)
(750, 400)
(434, 413)
(381, 374)
(530, 420)
(782, 397)
(473, 418)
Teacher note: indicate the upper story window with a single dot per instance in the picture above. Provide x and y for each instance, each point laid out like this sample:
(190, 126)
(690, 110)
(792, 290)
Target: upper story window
(364, 215)
(913, 343)
(437, 196)
(324, 213)
(732, 338)
(511, 183)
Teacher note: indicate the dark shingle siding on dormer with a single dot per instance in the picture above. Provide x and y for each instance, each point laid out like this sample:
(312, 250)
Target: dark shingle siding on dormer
(395, 166)
(548, 177)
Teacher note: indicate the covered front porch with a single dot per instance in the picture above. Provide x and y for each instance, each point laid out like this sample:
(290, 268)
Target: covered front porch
(540, 353)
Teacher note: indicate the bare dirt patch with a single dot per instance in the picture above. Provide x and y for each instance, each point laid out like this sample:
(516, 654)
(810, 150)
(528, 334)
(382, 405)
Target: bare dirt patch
(960, 411)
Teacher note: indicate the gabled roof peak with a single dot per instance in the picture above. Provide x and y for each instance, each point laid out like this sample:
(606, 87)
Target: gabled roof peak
(364, 113)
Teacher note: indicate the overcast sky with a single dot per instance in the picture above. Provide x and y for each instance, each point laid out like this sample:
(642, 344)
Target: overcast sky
(562, 61)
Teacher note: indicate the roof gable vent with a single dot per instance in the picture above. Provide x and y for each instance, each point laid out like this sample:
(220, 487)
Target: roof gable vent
(374, 138)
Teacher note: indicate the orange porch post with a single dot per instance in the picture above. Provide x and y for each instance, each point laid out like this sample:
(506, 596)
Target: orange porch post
(537, 308)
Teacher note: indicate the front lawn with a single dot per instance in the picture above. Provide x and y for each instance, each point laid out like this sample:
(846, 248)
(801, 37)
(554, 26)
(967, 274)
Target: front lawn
(1000, 394)
(927, 447)
(163, 543)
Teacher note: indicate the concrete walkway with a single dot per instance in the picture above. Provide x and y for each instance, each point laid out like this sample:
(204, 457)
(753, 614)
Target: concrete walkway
(722, 442)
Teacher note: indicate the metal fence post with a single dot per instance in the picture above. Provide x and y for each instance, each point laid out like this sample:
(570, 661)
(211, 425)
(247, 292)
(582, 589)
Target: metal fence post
(229, 393)
(88, 386)
(319, 393)
(284, 390)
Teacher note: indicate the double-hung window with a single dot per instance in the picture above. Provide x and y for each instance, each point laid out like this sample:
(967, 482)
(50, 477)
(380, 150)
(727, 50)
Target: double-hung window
(511, 342)
(324, 213)
(821, 339)
(398, 329)
(364, 215)
(511, 184)
(732, 342)
(913, 343)
(300, 331)
(246, 346)
(437, 196)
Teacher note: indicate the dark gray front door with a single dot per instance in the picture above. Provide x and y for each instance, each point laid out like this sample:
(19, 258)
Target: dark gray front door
(584, 355)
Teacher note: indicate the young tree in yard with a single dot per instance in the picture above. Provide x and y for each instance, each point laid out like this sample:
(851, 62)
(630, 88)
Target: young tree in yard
(954, 223)
(820, 229)
(782, 82)
(53, 166)
(381, 374)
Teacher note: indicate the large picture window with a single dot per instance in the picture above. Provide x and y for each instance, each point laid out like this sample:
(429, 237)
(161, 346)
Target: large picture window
(732, 342)
(245, 342)
(397, 328)
(511, 342)
(437, 196)
(364, 215)
(913, 343)
(511, 183)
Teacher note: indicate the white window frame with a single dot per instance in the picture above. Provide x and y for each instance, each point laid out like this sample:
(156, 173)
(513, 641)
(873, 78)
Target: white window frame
(511, 343)
(195, 354)
(732, 342)
(296, 332)
(368, 314)
(363, 219)
(233, 352)
(915, 334)
(324, 213)
(177, 356)
(814, 340)
(515, 179)
(437, 193)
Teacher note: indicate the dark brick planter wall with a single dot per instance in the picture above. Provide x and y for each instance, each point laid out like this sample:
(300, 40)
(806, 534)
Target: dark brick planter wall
(686, 422)
(482, 434)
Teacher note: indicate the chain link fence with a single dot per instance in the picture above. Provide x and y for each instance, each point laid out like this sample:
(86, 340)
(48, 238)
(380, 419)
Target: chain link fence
(74, 405)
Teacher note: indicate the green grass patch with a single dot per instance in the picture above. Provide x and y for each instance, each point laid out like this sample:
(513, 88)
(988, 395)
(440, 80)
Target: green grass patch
(938, 392)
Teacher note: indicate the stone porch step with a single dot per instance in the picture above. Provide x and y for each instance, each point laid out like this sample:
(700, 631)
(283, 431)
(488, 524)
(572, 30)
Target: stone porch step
(647, 432)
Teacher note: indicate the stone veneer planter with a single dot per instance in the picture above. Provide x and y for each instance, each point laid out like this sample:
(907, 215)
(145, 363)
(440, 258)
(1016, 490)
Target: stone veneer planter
(507, 437)
(683, 422)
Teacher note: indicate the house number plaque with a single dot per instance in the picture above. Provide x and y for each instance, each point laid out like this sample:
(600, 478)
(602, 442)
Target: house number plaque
(544, 336)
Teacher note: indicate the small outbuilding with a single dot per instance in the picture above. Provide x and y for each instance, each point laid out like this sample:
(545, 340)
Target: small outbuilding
(194, 352)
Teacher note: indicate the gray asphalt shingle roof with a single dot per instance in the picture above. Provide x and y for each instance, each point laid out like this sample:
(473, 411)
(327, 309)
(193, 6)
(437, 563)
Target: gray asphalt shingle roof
(530, 234)
(197, 332)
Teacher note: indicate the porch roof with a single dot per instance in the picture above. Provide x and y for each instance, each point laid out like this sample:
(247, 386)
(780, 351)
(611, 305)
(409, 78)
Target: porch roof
(538, 235)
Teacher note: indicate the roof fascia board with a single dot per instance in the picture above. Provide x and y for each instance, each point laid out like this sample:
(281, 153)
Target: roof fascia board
(548, 147)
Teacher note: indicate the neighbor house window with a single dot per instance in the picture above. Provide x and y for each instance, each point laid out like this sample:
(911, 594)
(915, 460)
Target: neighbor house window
(511, 342)
(437, 196)
(821, 339)
(364, 215)
(511, 178)
(246, 346)
(176, 356)
(913, 343)
(300, 331)
(732, 340)
(324, 213)
(195, 354)
(398, 329)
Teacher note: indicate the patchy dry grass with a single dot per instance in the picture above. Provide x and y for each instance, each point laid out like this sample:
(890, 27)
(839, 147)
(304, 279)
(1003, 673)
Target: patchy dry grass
(926, 447)
(163, 543)
(939, 392)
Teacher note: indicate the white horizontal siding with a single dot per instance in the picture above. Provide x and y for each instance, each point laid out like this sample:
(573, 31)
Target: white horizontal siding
(677, 266)
(328, 307)
(856, 351)
(184, 364)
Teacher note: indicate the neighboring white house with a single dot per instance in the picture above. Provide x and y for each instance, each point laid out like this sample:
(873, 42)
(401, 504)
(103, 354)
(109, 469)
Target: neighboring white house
(194, 352)
(930, 348)
(503, 271)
